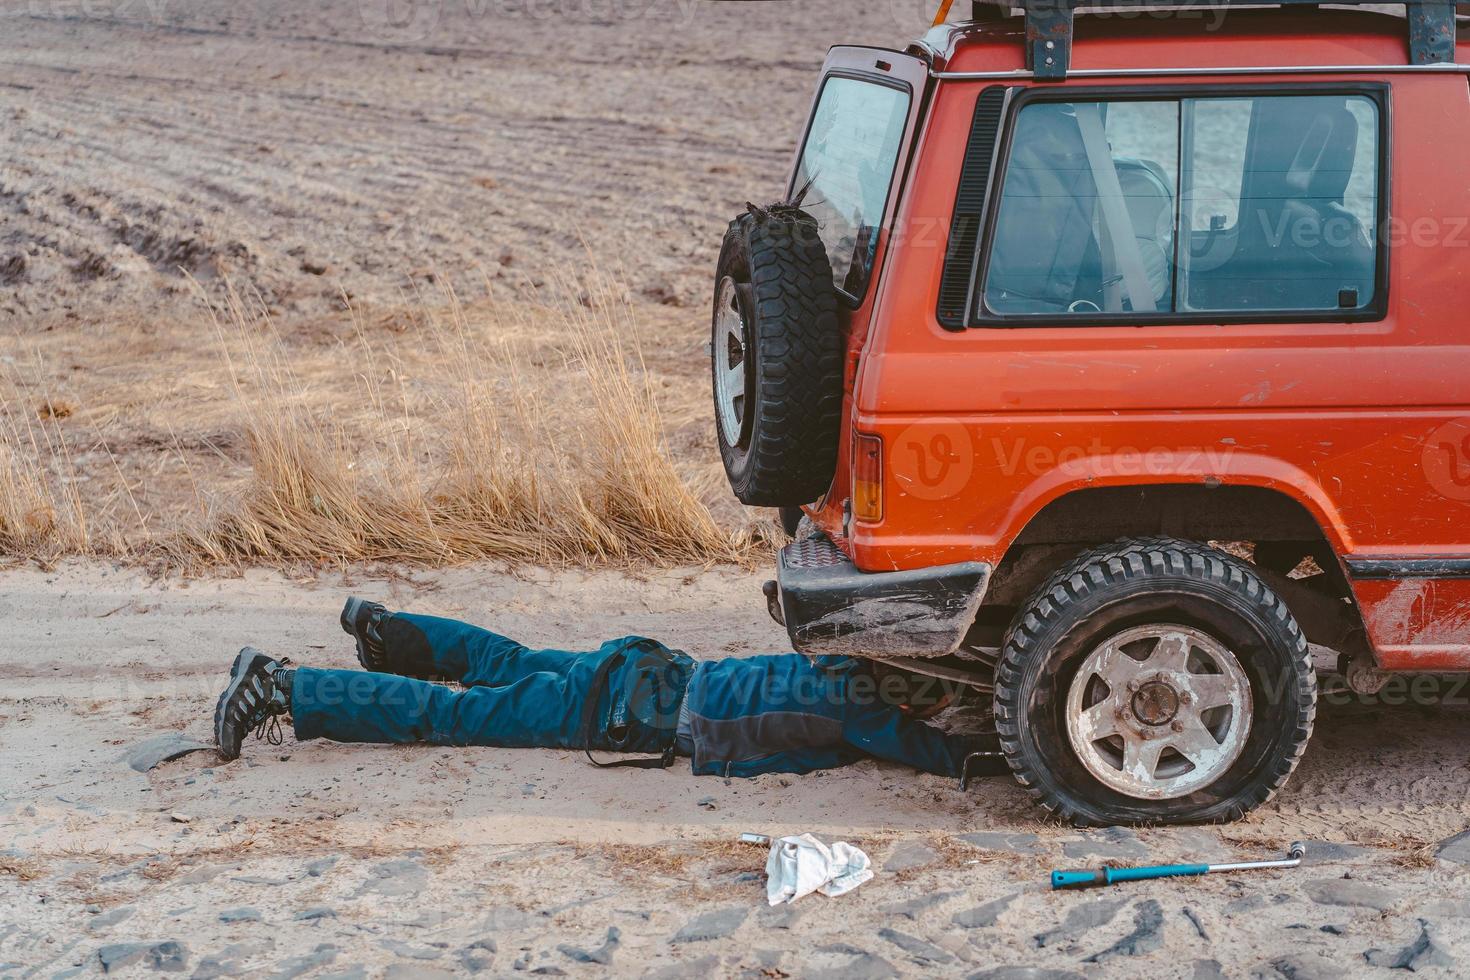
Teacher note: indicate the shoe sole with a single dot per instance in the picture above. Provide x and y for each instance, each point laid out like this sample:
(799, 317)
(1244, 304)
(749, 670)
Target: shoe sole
(239, 674)
(348, 620)
(349, 614)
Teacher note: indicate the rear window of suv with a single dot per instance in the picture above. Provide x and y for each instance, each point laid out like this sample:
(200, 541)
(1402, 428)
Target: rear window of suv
(846, 170)
(1181, 207)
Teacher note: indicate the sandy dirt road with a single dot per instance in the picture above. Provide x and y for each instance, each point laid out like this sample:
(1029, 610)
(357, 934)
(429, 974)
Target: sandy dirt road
(323, 859)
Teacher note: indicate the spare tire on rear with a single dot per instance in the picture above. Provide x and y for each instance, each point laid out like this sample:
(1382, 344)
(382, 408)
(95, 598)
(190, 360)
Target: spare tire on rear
(776, 359)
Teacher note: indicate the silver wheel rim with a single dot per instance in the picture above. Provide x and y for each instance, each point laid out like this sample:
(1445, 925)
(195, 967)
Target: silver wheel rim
(1158, 712)
(730, 359)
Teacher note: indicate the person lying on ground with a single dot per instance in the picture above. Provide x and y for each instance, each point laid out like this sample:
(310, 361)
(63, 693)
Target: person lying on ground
(741, 716)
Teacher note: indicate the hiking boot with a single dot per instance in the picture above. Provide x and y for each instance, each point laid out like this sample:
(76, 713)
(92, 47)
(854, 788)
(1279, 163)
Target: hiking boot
(255, 699)
(360, 619)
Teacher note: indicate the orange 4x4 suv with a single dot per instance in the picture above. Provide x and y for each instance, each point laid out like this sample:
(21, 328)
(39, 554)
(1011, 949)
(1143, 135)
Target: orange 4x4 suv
(1118, 367)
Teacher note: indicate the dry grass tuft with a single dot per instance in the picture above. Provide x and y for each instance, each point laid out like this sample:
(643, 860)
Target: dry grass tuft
(24, 869)
(1253, 840)
(41, 515)
(58, 409)
(162, 868)
(421, 435)
(689, 860)
(955, 853)
(44, 513)
(564, 463)
(1419, 857)
(1408, 850)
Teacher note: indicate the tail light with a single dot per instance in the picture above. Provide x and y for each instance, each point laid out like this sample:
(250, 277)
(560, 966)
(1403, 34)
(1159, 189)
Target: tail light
(867, 478)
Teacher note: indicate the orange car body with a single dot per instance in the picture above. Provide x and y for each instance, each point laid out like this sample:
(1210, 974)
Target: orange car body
(1364, 423)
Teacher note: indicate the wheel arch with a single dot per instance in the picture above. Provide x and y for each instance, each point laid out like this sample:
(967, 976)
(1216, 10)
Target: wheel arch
(1250, 521)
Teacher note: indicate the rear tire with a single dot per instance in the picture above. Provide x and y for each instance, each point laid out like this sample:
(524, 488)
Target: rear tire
(1183, 603)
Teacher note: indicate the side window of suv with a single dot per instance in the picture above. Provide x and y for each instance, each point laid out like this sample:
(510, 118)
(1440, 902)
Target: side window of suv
(1187, 206)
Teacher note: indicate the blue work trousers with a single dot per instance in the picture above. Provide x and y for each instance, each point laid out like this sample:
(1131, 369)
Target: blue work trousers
(513, 696)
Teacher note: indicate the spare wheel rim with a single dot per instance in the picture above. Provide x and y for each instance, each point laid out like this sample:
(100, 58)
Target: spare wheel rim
(1160, 711)
(731, 363)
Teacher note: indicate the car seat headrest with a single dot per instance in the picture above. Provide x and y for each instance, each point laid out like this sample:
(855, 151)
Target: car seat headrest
(1323, 163)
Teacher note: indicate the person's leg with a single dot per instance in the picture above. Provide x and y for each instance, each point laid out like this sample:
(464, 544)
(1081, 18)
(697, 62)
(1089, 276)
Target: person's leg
(431, 646)
(537, 710)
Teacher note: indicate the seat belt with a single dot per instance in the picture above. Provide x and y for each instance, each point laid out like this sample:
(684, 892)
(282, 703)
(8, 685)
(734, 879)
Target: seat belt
(1112, 278)
(1114, 208)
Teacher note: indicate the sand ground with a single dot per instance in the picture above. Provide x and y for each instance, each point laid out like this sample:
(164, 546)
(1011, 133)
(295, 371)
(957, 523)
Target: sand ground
(368, 152)
(325, 859)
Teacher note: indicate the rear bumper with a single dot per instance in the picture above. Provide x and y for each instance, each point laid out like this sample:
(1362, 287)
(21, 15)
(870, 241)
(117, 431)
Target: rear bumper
(830, 607)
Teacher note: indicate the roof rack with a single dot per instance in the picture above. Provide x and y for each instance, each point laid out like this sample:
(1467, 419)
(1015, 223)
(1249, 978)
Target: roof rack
(1431, 25)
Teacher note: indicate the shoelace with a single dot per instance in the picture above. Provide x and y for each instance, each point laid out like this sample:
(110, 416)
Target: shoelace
(269, 726)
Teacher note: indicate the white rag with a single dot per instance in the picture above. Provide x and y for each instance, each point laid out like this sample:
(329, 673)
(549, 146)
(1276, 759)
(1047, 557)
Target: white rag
(801, 865)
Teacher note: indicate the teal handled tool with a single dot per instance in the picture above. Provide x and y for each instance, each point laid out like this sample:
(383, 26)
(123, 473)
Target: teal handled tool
(1111, 876)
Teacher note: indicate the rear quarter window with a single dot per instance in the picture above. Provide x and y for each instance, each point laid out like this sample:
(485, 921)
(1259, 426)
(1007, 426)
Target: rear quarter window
(1263, 204)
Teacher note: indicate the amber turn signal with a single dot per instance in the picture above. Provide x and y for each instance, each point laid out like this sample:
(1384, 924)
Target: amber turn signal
(867, 478)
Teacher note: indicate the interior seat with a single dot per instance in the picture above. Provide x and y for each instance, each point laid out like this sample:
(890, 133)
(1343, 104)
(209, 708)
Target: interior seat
(1046, 256)
(1044, 253)
(1299, 245)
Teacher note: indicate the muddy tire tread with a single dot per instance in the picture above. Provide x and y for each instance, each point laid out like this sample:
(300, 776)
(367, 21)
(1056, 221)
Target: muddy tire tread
(1130, 559)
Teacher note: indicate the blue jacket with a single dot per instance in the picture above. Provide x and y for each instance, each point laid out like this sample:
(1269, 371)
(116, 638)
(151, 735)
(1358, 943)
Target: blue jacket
(785, 713)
